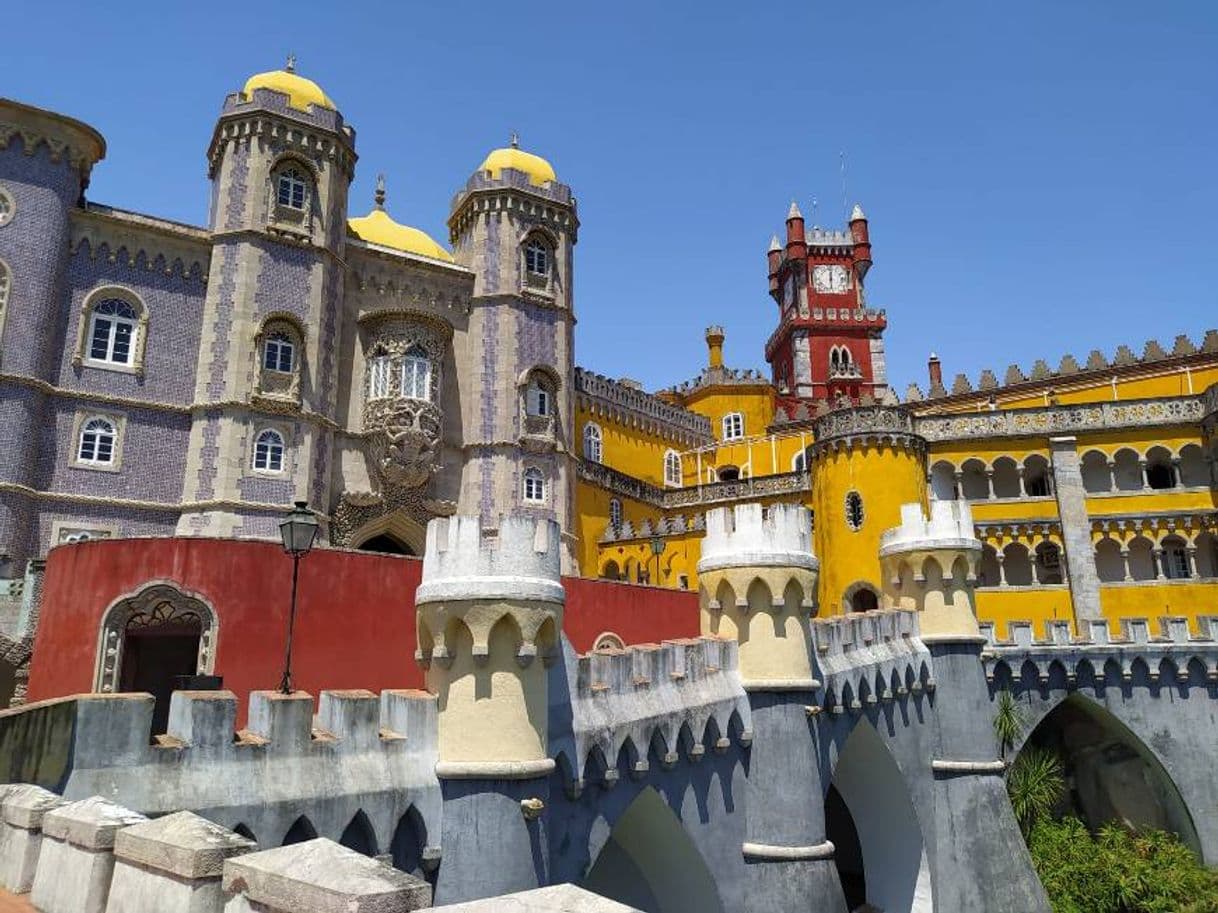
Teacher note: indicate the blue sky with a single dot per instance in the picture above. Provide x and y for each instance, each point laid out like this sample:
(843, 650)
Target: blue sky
(1040, 176)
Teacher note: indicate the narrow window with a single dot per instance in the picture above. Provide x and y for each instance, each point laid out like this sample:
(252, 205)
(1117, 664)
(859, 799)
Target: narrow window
(112, 332)
(592, 442)
(615, 513)
(279, 353)
(537, 258)
(733, 426)
(854, 510)
(799, 462)
(416, 374)
(540, 401)
(1175, 562)
(268, 451)
(291, 189)
(96, 443)
(672, 468)
(534, 486)
(378, 377)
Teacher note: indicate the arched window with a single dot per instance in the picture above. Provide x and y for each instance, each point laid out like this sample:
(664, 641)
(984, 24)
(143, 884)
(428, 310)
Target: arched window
(1160, 471)
(378, 376)
(536, 258)
(608, 641)
(534, 486)
(416, 374)
(733, 426)
(729, 473)
(539, 398)
(291, 188)
(592, 442)
(97, 437)
(672, 468)
(279, 353)
(268, 451)
(799, 462)
(112, 332)
(1175, 559)
(615, 513)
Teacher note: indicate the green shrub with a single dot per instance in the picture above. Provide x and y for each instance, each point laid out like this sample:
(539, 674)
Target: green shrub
(1117, 871)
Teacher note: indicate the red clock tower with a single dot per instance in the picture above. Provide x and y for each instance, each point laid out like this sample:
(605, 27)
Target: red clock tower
(829, 345)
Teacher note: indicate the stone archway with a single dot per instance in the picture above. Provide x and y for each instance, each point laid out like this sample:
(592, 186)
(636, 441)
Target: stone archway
(650, 862)
(394, 533)
(885, 859)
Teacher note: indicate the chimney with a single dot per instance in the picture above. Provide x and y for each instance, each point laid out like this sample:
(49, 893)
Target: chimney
(935, 370)
(714, 346)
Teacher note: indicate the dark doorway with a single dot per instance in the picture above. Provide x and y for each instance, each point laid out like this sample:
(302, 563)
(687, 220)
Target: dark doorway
(864, 600)
(848, 852)
(153, 657)
(386, 545)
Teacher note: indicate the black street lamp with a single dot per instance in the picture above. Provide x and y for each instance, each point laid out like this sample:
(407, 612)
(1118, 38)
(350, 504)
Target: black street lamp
(298, 530)
(657, 549)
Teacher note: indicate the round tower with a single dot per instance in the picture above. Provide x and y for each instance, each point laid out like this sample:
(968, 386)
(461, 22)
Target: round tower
(489, 617)
(757, 577)
(865, 464)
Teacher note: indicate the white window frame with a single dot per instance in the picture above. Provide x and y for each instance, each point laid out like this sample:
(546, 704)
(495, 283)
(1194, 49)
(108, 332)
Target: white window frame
(615, 512)
(1175, 562)
(538, 399)
(380, 369)
(278, 344)
(799, 462)
(91, 434)
(297, 188)
(533, 486)
(733, 426)
(672, 469)
(537, 257)
(416, 374)
(113, 323)
(593, 442)
(273, 456)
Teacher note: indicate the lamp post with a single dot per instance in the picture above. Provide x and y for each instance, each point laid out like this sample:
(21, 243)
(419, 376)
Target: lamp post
(657, 549)
(298, 530)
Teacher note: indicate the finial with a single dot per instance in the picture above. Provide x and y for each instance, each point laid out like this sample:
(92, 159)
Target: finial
(774, 245)
(291, 64)
(857, 213)
(793, 212)
(380, 191)
(514, 140)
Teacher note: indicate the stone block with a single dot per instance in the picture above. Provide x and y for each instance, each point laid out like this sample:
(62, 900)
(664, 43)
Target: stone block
(319, 876)
(172, 863)
(559, 898)
(21, 837)
(77, 859)
(203, 719)
(285, 720)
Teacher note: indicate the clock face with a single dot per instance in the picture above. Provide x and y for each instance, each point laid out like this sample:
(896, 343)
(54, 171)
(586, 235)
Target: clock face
(834, 278)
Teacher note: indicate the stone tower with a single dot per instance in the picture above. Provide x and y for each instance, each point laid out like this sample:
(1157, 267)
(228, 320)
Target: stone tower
(281, 161)
(515, 226)
(489, 617)
(758, 576)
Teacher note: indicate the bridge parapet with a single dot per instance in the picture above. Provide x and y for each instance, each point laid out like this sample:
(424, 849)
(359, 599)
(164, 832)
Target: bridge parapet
(866, 657)
(1173, 651)
(652, 702)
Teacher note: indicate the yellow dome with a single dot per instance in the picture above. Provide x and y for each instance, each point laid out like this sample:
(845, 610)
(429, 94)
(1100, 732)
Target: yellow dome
(378, 228)
(301, 92)
(538, 169)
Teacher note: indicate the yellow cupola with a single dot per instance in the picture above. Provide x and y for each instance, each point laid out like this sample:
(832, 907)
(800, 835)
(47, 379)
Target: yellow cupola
(301, 92)
(379, 229)
(540, 171)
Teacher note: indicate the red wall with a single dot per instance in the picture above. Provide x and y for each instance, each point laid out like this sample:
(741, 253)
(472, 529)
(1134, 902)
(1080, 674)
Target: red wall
(354, 612)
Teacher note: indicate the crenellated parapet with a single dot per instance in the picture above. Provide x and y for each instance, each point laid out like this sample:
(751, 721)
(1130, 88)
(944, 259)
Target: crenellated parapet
(866, 426)
(867, 657)
(1098, 655)
(659, 703)
(488, 619)
(929, 565)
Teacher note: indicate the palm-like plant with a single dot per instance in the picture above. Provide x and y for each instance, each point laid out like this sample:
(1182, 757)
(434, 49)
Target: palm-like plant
(1035, 783)
(1008, 722)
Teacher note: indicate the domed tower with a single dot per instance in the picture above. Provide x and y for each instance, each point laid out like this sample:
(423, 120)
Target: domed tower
(281, 161)
(515, 225)
(45, 161)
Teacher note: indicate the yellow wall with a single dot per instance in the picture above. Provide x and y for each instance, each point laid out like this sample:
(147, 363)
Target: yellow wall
(1152, 600)
(1034, 604)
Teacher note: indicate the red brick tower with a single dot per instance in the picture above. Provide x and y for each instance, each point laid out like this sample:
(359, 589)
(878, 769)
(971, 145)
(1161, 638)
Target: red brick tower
(828, 345)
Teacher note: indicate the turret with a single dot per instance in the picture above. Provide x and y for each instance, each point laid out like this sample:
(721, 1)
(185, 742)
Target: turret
(930, 564)
(757, 576)
(862, 241)
(797, 241)
(774, 264)
(488, 618)
(714, 346)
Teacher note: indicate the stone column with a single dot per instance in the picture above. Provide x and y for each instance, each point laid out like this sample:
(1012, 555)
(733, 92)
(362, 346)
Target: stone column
(489, 617)
(758, 580)
(1156, 555)
(1191, 553)
(991, 870)
(989, 484)
(1076, 530)
(1125, 564)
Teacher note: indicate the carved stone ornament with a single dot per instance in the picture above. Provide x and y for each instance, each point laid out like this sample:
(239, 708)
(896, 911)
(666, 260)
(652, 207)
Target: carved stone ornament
(405, 440)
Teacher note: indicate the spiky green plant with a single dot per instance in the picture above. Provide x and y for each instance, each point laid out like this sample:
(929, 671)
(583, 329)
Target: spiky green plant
(1035, 784)
(1008, 722)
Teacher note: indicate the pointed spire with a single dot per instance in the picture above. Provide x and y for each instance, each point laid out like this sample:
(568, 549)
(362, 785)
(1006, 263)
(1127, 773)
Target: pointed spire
(857, 213)
(380, 192)
(793, 212)
(774, 245)
(290, 66)
(514, 140)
